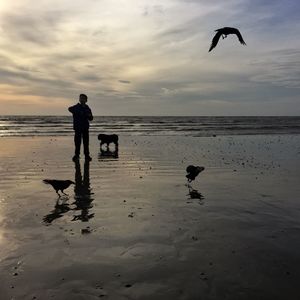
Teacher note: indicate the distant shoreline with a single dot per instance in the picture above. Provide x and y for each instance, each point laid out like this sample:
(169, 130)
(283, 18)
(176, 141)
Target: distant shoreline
(167, 116)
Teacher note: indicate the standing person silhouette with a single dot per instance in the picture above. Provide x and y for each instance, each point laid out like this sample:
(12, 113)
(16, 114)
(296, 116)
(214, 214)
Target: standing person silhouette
(82, 114)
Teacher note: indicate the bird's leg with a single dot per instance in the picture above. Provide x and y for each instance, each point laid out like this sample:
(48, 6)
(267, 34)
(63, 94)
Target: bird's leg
(58, 193)
(223, 36)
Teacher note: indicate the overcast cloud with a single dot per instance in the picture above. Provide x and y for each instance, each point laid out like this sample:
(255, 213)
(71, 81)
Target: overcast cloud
(150, 57)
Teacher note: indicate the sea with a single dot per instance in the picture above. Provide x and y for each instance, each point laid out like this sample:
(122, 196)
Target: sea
(147, 125)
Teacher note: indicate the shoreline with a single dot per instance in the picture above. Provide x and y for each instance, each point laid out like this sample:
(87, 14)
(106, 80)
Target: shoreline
(93, 133)
(156, 126)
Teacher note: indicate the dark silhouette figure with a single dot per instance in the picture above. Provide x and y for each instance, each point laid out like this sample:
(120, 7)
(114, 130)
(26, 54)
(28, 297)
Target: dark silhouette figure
(108, 139)
(83, 199)
(59, 185)
(82, 114)
(108, 154)
(59, 210)
(193, 172)
(224, 32)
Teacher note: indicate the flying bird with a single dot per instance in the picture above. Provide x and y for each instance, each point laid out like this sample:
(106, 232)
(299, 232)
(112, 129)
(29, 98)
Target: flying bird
(59, 185)
(224, 32)
(193, 172)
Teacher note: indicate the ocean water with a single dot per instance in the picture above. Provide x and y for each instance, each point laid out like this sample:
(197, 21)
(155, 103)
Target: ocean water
(140, 125)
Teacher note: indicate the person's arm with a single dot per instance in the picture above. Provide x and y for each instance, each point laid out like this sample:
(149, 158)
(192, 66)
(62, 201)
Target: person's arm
(71, 109)
(90, 115)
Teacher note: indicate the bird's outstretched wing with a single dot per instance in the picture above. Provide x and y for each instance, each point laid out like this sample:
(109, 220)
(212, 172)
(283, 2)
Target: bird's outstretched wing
(236, 31)
(215, 41)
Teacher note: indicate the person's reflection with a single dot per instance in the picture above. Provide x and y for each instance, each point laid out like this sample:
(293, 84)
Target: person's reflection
(83, 199)
(107, 153)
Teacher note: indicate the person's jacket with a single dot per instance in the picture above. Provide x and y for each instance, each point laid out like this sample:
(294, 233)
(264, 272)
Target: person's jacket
(82, 114)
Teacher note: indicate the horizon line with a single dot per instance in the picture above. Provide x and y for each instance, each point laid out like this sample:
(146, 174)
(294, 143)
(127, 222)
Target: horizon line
(156, 116)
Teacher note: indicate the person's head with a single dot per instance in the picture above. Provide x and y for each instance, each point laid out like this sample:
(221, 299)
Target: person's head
(83, 99)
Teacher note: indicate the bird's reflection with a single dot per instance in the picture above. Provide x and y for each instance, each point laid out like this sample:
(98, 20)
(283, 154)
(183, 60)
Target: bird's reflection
(194, 194)
(61, 207)
(83, 195)
(107, 153)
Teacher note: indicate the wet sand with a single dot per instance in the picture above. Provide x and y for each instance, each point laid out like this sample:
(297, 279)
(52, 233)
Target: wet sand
(131, 229)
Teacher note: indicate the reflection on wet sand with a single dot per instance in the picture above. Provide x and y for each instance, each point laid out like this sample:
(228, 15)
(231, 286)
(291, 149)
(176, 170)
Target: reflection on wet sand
(194, 194)
(83, 199)
(61, 207)
(107, 153)
(150, 237)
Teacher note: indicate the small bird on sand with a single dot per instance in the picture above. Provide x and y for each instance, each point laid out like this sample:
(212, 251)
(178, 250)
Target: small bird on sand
(224, 32)
(59, 185)
(193, 172)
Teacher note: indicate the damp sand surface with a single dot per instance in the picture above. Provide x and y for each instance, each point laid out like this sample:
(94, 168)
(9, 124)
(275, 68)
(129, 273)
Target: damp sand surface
(131, 228)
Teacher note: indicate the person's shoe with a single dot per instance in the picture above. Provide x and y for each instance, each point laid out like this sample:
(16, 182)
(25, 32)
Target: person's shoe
(88, 158)
(75, 157)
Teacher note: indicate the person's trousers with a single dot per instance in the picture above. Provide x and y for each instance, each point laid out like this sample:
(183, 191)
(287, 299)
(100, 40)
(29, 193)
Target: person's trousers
(84, 135)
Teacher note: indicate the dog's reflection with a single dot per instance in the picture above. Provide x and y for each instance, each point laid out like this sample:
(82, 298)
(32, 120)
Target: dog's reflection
(61, 207)
(83, 199)
(194, 194)
(107, 153)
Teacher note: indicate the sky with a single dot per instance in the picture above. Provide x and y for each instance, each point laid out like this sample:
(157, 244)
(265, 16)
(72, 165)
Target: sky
(137, 57)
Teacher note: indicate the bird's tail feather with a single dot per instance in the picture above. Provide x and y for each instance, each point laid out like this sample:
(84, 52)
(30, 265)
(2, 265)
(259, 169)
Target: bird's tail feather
(241, 38)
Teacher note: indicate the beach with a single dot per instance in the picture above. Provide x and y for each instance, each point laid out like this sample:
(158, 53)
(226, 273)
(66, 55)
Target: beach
(131, 227)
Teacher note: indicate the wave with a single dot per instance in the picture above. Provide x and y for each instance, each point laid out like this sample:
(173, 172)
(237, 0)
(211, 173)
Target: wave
(193, 126)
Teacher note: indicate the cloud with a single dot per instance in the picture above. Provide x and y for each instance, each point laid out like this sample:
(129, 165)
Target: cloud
(89, 77)
(280, 68)
(40, 29)
(154, 9)
(125, 81)
(60, 48)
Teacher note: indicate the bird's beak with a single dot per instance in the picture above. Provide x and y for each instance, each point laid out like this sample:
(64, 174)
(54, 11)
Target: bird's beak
(73, 182)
